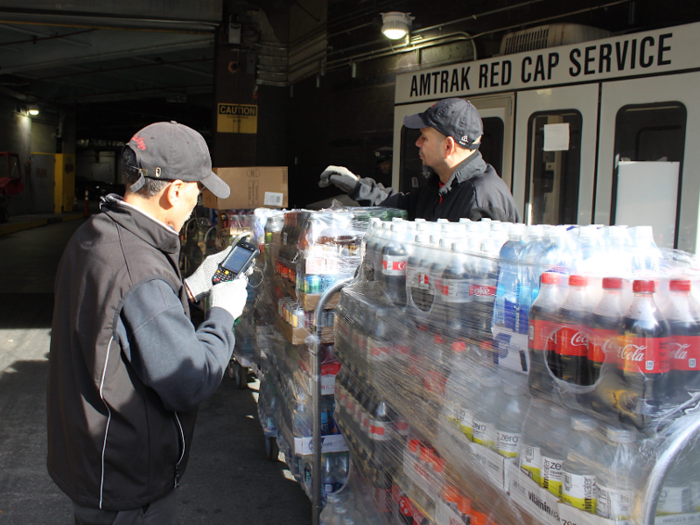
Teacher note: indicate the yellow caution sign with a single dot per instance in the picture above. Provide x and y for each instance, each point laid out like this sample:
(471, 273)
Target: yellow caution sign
(237, 118)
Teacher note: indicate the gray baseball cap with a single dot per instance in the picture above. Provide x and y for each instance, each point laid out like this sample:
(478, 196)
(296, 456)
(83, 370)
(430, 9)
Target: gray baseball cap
(453, 117)
(172, 151)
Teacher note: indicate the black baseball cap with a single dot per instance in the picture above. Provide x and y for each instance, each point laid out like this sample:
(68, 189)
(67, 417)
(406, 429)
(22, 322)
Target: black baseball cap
(172, 151)
(453, 117)
(383, 153)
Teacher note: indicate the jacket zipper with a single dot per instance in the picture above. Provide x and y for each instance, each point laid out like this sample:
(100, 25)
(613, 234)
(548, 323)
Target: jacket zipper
(182, 455)
(109, 420)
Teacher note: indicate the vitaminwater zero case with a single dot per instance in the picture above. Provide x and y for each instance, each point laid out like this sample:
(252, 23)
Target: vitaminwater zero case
(238, 261)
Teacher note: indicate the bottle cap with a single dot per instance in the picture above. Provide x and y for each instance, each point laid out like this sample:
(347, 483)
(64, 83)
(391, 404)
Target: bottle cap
(459, 346)
(679, 285)
(578, 280)
(551, 278)
(644, 286)
(612, 283)
(438, 339)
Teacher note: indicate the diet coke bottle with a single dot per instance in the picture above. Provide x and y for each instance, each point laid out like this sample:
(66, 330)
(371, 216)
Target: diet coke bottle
(684, 348)
(643, 354)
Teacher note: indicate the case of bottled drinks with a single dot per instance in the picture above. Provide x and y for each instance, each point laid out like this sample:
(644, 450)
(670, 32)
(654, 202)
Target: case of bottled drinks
(498, 373)
(302, 254)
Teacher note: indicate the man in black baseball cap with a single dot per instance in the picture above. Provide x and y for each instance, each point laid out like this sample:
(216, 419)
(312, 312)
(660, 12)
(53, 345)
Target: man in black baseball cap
(460, 184)
(127, 368)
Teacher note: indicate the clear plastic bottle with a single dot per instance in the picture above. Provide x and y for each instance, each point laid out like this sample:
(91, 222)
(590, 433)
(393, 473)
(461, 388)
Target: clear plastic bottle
(394, 260)
(572, 334)
(532, 439)
(529, 276)
(618, 474)
(579, 487)
(509, 426)
(540, 340)
(683, 318)
(603, 328)
(328, 477)
(506, 306)
(556, 434)
(486, 416)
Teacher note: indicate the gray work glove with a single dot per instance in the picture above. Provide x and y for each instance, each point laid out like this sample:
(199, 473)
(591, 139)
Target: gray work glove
(231, 296)
(341, 177)
(199, 283)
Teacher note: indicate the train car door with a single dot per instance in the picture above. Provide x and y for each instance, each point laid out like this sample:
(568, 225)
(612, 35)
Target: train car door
(497, 144)
(554, 161)
(648, 156)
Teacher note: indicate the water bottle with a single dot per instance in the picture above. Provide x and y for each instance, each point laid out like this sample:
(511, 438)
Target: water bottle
(579, 487)
(555, 434)
(558, 255)
(509, 426)
(301, 418)
(534, 430)
(486, 416)
(529, 276)
(328, 480)
(619, 474)
(647, 257)
(506, 306)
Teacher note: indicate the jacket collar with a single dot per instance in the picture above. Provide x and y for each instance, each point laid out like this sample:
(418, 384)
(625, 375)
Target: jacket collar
(141, 224)
(468, 168)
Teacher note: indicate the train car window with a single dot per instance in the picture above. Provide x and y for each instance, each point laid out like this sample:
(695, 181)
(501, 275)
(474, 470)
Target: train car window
(492, 143)
(412, 168)
(649, 146)
(554, 167)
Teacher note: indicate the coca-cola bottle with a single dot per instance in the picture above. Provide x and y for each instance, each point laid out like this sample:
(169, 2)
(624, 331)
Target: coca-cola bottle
(604, 327)
(684, 349)
(540, 341)
(572, 335)
(643, 355)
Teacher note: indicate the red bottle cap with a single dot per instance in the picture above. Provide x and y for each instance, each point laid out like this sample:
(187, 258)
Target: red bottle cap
(550, 278)
(578, 280)
(459, 346)
(438, 339)
(644, 286)
(680, 285)
(612, 283)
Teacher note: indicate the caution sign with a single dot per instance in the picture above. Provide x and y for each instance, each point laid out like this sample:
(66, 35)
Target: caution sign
(237, 118)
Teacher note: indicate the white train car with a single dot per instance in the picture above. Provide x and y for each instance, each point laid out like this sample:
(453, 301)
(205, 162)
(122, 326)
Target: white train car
(600, 132)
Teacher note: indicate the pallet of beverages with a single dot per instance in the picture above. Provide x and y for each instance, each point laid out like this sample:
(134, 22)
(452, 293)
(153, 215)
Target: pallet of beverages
(302, 254)
(498, 373)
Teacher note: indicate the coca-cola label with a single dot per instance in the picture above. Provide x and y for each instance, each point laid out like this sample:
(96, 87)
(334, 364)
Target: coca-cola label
(394, 264)
(482, 290)
(455, 290)
(602, 343)
(684, 351)
(572, 341)
(379, 430)
(541, 335)
(646, 355)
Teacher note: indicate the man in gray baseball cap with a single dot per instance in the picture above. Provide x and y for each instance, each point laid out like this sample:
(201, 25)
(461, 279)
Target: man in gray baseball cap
(460, 184)
(127, 368)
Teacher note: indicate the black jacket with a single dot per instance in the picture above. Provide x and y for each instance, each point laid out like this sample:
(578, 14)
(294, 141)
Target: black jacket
(474, 191)
(126, 367)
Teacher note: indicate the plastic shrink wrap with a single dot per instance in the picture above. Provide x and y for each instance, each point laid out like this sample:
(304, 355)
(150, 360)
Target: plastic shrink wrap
(302, 253)
(503, 374)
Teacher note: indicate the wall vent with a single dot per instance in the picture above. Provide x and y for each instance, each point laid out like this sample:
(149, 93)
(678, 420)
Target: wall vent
(551, 35)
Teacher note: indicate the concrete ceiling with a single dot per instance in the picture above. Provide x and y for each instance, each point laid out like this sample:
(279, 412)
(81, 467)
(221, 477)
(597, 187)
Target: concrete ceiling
(110, 58)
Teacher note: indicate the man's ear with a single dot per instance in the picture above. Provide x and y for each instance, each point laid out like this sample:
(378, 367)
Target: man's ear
(173, 192)
(449, 146)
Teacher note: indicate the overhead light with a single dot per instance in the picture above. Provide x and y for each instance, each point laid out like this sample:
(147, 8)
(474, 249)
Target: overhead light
(395, 24)
(33, 110)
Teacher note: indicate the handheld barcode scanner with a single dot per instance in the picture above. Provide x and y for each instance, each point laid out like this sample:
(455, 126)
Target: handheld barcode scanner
(238, 261)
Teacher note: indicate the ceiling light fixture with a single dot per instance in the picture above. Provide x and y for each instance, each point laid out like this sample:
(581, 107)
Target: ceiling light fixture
(396, 25)
(33, 110)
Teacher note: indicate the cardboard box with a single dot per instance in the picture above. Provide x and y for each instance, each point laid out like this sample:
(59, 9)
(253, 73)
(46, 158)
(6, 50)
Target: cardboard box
(252, 187)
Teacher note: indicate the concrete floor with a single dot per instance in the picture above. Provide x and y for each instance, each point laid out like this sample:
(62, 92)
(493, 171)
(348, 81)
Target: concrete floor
(229, 479)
